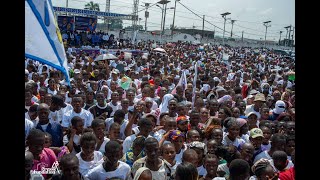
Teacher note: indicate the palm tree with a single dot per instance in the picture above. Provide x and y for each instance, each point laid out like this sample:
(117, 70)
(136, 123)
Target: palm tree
(92, 6)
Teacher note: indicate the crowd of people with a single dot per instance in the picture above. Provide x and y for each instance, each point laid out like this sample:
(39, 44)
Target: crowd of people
(93, 38)
(190, 112)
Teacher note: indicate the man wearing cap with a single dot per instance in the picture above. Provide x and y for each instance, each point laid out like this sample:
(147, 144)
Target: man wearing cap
(256, 137)
(259, 99)
(114, 77)
(76, 75)
(57, 103)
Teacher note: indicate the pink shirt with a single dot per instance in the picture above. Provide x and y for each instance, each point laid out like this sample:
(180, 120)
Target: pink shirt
(47, 158)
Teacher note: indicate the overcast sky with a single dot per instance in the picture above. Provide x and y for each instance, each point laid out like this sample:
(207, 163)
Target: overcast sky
(249, 15)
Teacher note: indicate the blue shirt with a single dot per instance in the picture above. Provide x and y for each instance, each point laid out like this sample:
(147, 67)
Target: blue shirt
(55, 129)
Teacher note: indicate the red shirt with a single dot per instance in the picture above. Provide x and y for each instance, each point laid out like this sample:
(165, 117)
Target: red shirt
(288, 174)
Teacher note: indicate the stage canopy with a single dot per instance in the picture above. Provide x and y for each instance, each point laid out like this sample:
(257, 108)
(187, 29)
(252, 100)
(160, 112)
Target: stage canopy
(85, 12)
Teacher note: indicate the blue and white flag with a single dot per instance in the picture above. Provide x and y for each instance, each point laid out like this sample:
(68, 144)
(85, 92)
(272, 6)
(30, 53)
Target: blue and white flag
(43, 41)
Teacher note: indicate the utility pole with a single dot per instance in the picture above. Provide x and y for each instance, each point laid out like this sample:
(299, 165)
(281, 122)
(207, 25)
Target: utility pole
(67, 7)
(224, 25)
(146, 15)
(106, 21)
(242, 36)
(174, 16)
(135, 15)
(203, 27)
(266, 24)
(232, 21)
(280, 38)
(162, 9)
(164, 18)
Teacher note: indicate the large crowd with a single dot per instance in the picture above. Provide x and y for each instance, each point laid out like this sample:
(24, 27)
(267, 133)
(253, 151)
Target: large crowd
(183, 111)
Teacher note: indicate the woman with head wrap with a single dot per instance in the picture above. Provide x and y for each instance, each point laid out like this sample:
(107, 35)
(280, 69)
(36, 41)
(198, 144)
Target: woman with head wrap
(165, 102)
(227, 101)
(106, 91)
(244, 128)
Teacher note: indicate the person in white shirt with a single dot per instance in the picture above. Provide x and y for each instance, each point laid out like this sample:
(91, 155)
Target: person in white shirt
(99, 129)
(259, 99)
(119, 117)
(168, 153)
(28, 126)
(32, 114)
(114, 103)
(72, 138)
(57, 103)
(231, 137)
(77, 110)
(111, 167)
(88, 157)
(145, 127)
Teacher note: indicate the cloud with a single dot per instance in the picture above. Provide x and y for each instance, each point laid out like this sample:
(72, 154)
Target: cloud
(250, 9)
(267, 11)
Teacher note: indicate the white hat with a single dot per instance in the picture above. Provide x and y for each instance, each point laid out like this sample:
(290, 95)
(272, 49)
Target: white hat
(280, 106)
(115, 71)
(76, 71)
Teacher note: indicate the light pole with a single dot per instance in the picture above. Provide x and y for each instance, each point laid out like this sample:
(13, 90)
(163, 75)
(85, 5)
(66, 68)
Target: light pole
(266, 24)
(174, 16)
(67, 7)
(280, 38)
(232, 21)
(224, 25)
(146, 15)
(164, 8)
(161, 16)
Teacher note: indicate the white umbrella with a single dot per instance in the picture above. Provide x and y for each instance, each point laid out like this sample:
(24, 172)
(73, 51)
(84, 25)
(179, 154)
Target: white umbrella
(105, 57)
(160, 50)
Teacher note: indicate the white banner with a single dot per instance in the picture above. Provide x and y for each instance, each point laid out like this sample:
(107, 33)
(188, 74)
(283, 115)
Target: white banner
(43, 41)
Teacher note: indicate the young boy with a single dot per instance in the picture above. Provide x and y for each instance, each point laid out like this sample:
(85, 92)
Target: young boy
(111, 167)
(69, 165)
(43, 157)
(168, 153)
(114, 132)
(72, 139)
(135, 152)
(88, 157)
(211, 164)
